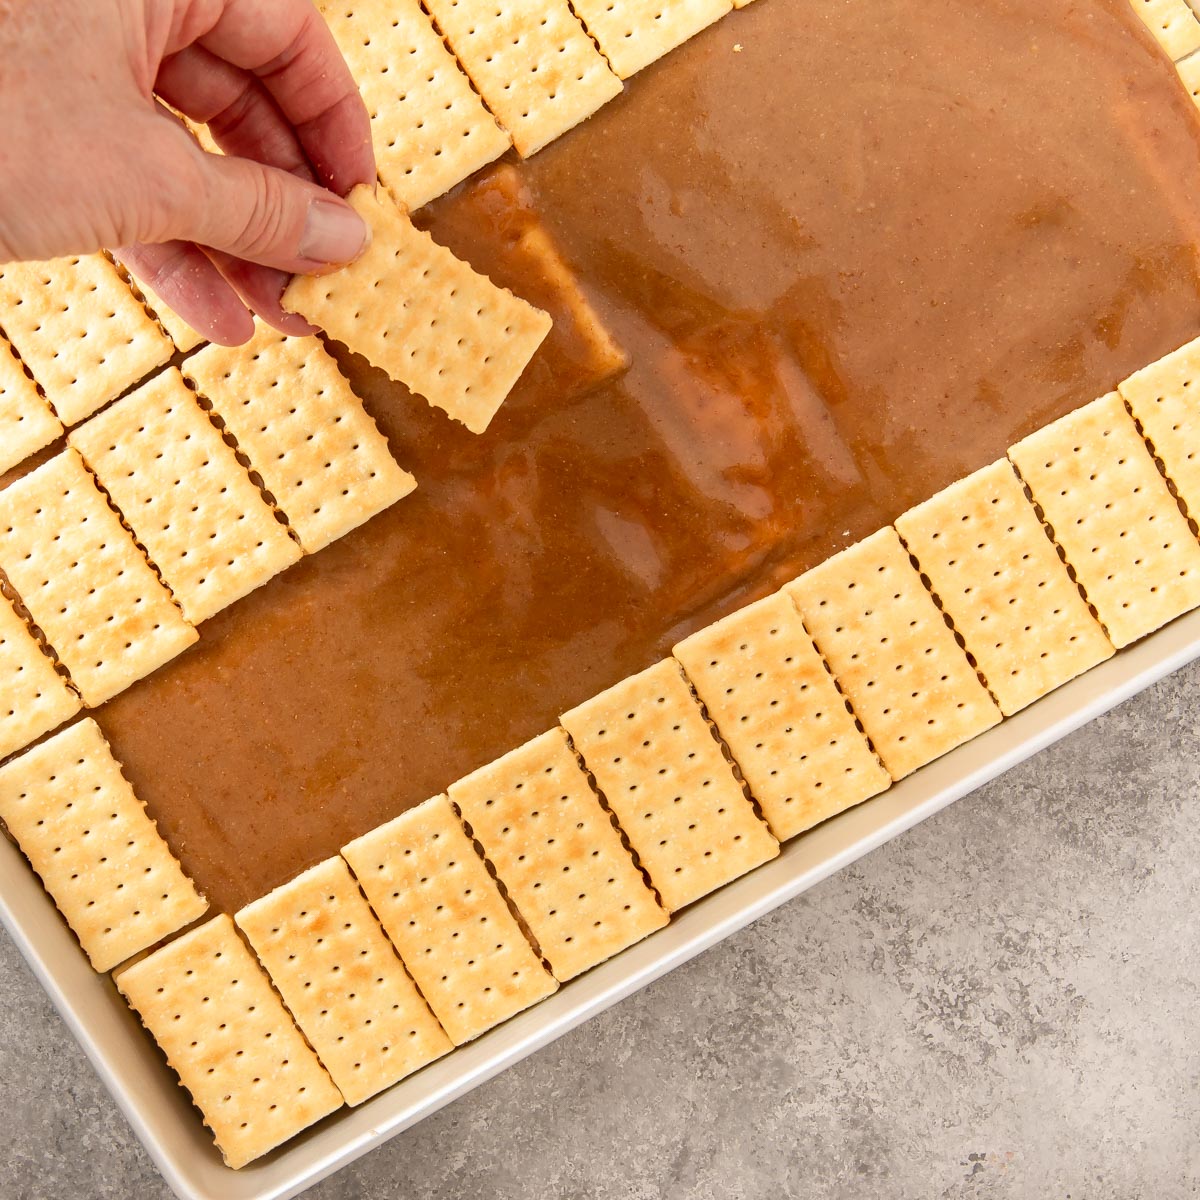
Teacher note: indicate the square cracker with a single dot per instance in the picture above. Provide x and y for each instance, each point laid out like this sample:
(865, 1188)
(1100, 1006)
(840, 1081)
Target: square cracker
(414, 310)
(97, 851)
(34, 697)
(342, 981)
(560, 856)
(663, 774)
(186, 497)
(1165, 400)
(1007, 591)
(533, 63)
(447, 918)
(780, 713)
(303, 430)
(226, 1034)
(430, 128)
(890, 649)
(1114, 517)
(80, 329)
(27, 422)
(633, 33)
(84, 581)
(1173, 24)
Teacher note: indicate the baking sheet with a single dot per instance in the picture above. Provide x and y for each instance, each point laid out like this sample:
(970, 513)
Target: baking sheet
(161, 1114)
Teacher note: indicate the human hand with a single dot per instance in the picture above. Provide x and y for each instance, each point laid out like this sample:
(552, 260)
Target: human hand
(90, 157)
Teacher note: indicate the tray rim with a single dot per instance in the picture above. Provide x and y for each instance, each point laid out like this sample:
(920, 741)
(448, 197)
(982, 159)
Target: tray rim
(167, 1125)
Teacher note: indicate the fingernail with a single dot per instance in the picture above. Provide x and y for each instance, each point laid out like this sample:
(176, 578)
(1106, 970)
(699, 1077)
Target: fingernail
(333, 233)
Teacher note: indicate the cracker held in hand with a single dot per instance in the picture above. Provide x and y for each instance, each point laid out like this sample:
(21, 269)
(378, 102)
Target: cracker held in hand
(634, 33)
(781, 715)
(429, 127)
(414, 310)
(447, 918)
(227, 1036)
(34, 697)
(98, 853)
(1001, 580)
(662, 773)
(1165, 401)
(27, 422)
(80, 329)
(186, 497)
(303, 430)
(559, 854)
(342, 981)
(533, 63)
(1114, 517)
(84, 581)
(888, 645)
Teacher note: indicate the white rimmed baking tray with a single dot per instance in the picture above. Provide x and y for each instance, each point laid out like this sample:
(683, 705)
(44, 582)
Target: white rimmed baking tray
(161, 1114)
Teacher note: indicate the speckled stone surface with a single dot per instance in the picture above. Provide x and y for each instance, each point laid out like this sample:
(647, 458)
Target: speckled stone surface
(1005, 1002)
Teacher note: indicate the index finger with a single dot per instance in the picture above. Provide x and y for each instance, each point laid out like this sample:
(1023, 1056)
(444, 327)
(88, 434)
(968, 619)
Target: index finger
(288, 46)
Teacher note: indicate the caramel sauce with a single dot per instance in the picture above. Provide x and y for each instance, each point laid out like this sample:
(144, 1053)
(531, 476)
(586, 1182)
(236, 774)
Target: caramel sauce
(809, 269)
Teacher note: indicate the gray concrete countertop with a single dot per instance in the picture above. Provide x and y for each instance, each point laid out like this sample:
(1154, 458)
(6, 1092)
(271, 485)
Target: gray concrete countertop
(1004, 1002)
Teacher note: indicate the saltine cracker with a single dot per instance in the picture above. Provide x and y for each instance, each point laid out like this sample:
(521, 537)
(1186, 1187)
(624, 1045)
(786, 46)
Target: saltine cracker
(303, 430)
(95, 848)
(188, 500)
(447, 918)
(1009, 594)
(890, 649)
(1114, 517)
(84, 581)
(425, 317)
(210, 1007)
(663, 774)
(779, 711)
(342, 981)
(560, 857)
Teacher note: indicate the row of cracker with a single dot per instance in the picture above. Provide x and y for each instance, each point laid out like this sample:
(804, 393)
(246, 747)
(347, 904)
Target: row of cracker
(76, 335)
(451, 85)
(149, 523)
(866, 667)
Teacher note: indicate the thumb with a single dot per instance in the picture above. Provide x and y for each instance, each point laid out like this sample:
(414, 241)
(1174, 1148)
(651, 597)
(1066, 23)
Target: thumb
(263, 215)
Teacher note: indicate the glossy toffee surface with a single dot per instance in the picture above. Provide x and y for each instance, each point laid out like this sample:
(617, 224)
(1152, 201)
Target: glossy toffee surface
(843, 254)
